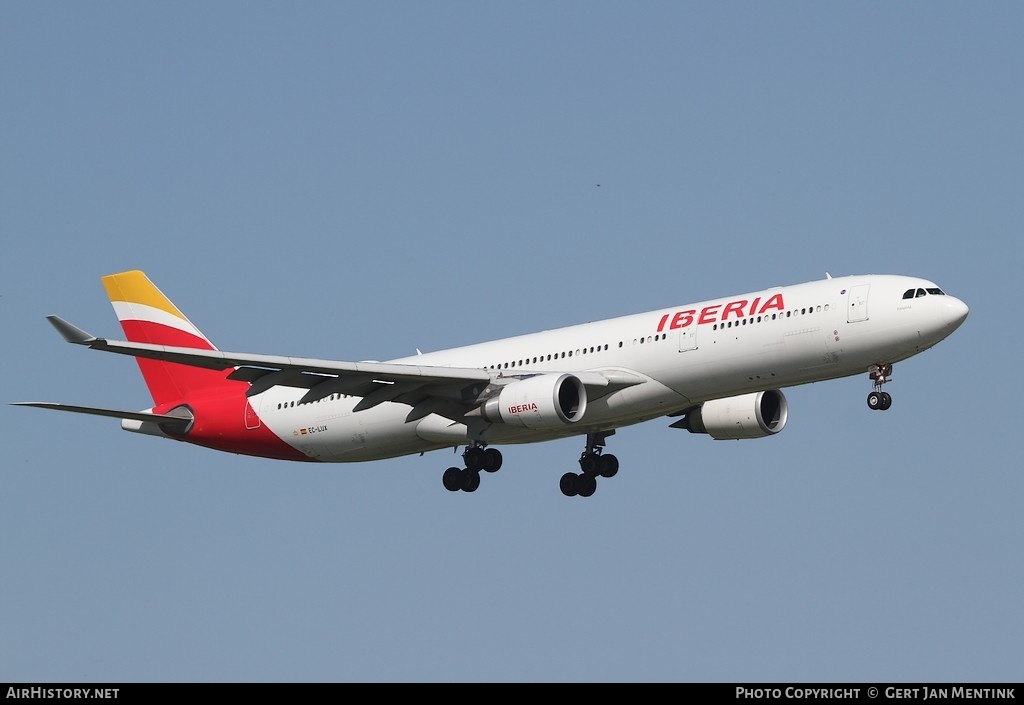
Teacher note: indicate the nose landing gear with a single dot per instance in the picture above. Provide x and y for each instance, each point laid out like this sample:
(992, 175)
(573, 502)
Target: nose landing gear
(877, 399)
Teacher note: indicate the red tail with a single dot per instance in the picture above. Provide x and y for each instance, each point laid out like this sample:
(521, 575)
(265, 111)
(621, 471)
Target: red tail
(147, 316)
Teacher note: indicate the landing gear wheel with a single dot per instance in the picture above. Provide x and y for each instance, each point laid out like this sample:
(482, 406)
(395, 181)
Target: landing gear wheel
(568, 484)
(587, 485)
(470, 480)
(474, 457)
(588, 463)
(875, 400)
(607, 465)
(492, 460)
(452, 479)
(879, 374)
(879, 401)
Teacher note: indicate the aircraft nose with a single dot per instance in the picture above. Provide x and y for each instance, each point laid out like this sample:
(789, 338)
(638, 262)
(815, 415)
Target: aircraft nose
(956, 312)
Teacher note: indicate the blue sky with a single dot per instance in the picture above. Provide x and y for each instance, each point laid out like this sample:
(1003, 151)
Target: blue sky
(358, 180)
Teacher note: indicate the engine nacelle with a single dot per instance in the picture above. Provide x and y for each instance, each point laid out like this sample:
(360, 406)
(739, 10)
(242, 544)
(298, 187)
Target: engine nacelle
(753, 415)
(544, 401)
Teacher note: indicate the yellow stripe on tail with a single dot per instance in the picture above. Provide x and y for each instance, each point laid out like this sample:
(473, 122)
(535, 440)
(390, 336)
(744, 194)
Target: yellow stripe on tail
(135, 287)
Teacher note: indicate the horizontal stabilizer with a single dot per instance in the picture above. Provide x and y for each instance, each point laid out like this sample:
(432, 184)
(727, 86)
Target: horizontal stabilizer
(178, 417)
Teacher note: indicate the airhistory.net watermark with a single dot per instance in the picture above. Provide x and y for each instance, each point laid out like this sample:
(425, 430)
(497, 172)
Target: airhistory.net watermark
(62, 693)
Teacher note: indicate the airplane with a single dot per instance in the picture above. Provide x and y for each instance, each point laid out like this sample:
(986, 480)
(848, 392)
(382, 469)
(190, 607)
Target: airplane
(716, 367)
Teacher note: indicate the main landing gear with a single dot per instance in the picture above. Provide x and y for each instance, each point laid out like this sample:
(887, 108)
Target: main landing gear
(476, 458)
(877, 399)
(594, 464)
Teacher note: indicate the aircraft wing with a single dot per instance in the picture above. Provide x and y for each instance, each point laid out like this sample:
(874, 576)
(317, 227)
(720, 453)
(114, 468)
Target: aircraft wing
(429, 389)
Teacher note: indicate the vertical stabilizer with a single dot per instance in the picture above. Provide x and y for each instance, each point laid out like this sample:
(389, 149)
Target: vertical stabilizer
(147, 316)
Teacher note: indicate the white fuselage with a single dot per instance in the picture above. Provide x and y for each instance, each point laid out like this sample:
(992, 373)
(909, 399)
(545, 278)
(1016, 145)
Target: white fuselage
(686, 355)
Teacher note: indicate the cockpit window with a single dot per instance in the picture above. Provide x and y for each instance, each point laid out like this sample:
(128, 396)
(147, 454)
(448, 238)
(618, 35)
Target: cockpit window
(914, 293)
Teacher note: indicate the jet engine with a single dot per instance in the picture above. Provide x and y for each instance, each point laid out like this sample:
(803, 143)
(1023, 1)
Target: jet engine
(754, 415)
(540, 402)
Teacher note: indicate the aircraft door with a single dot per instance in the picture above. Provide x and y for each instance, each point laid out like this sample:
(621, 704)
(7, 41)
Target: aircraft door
(252, 419)
(688, 338)
(857, 306)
